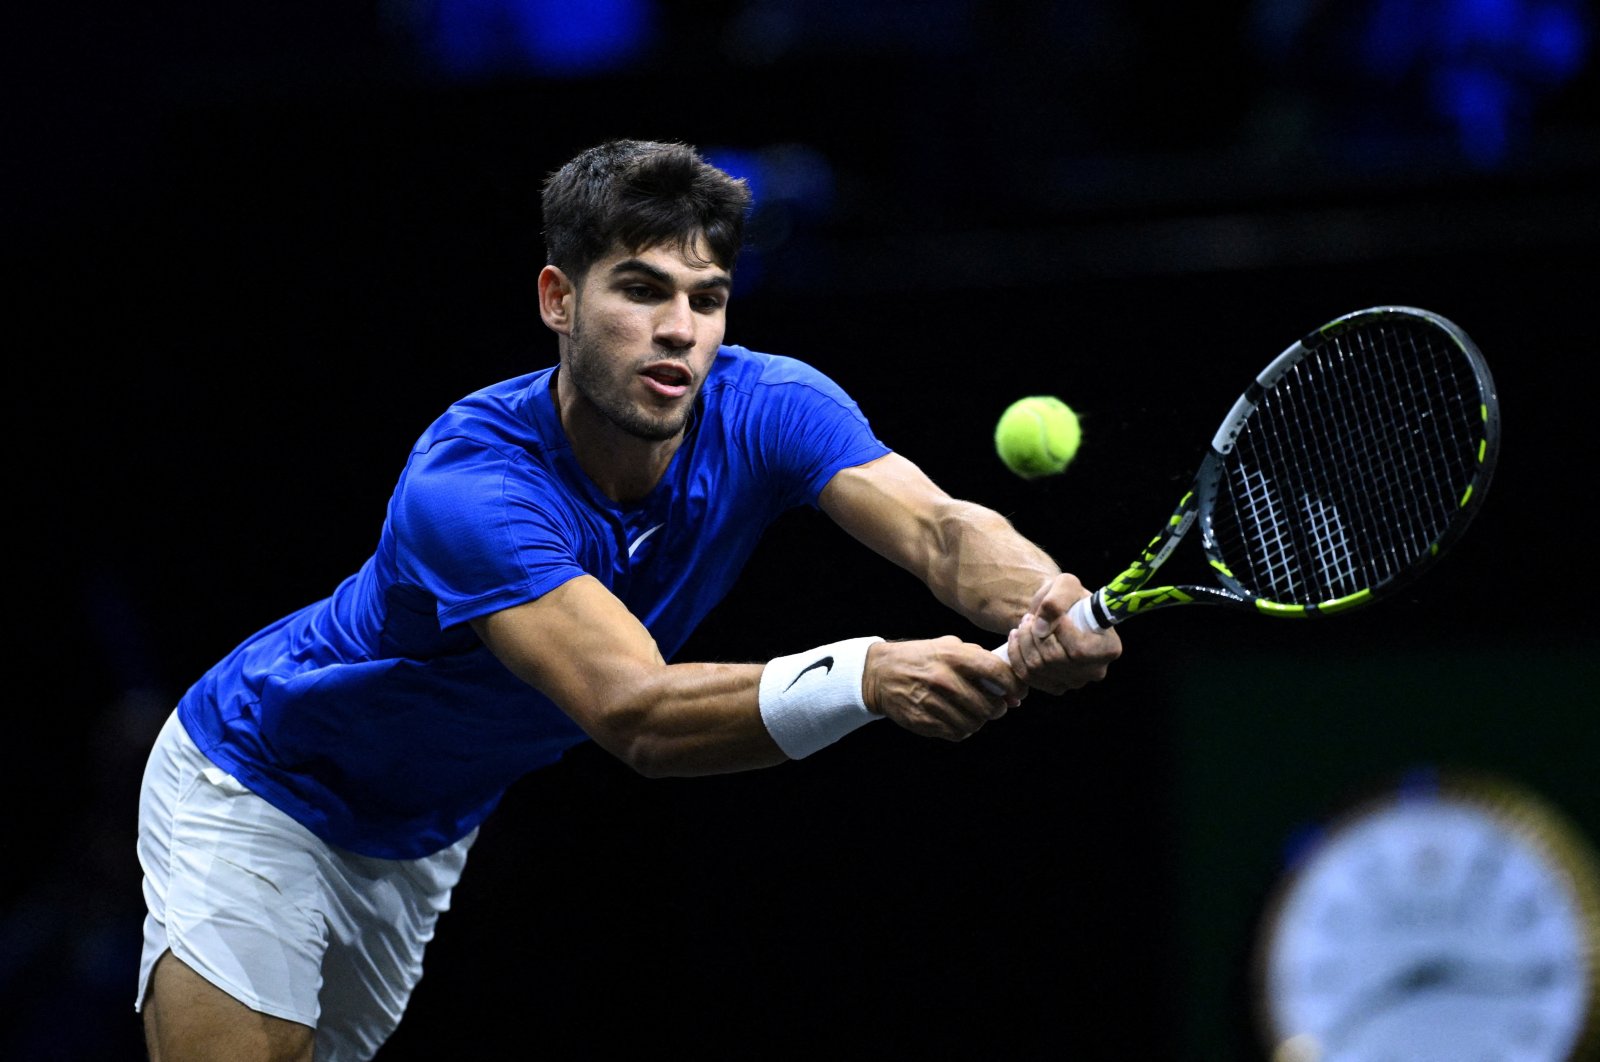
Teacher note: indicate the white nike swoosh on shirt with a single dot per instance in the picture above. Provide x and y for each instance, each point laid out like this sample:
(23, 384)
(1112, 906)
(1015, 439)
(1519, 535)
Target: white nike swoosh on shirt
(640, 540)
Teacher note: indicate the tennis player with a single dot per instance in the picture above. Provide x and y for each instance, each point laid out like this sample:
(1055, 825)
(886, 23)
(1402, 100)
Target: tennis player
(551, 543)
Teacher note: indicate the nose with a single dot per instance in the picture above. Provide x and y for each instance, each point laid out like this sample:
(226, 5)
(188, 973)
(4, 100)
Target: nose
(674, 326)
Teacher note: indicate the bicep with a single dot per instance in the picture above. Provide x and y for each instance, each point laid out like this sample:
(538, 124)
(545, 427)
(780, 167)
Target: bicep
(578, 645)
(581, 647)
(892, 507)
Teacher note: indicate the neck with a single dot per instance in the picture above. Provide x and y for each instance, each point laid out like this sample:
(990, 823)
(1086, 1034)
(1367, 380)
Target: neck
(624, 466)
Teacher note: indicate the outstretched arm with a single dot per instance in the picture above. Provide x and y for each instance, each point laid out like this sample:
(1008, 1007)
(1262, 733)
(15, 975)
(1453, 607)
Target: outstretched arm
(581, 647)
(977, 563)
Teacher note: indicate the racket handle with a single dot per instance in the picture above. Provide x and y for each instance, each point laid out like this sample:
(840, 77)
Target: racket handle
(1003, 651)
(1081, 614)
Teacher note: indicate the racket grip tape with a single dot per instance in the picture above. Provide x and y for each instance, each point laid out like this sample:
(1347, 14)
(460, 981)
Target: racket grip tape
(1083, 613)
(1080, 614)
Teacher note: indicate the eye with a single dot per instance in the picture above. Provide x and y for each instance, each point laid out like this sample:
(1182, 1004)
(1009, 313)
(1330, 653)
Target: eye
(639, 292)
(707, 303)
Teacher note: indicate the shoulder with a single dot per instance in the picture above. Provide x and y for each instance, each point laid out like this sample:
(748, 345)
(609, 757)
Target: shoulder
(761, 376)
(501, 442)
(506, 407)
(506, 415)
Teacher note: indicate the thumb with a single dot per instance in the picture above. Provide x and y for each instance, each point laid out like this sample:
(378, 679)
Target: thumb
(1046, 616)
(1045, 611)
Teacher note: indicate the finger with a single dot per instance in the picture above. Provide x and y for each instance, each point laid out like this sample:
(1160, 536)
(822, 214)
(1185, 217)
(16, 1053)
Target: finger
(1040, 594)
(994, 699)
(1051, 614)
(1028, 650)
(970, 708)
(1091, 649)
(952, 702)
(995, 707)
(990, 685)
(1040, 660)
(998, 682)
(951, 725)
(940, 721)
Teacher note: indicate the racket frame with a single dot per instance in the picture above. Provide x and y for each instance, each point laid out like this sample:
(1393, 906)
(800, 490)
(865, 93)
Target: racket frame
(1127, 594)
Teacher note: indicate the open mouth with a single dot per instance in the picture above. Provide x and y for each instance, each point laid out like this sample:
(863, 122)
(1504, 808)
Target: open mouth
(667, 378)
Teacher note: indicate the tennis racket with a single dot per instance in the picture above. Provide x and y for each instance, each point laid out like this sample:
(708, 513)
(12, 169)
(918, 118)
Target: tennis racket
(1349, 465)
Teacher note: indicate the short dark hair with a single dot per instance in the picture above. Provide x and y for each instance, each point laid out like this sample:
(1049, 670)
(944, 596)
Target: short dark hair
(635, 194)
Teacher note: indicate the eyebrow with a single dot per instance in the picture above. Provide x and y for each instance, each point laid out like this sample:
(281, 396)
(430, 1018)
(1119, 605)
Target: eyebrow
(661, 276)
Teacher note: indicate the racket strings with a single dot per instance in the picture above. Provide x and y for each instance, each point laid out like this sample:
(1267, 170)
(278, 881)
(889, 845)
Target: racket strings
(1268, 530)
(1353, 465)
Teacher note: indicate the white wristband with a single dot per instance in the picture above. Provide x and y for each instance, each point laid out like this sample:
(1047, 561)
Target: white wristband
(812, 699)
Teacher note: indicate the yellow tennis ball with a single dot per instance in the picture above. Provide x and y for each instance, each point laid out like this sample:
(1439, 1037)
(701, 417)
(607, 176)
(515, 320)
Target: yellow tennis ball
(1038, 436)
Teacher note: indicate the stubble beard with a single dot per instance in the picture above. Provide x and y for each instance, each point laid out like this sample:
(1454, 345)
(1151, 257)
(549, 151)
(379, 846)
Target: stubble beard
(586, 371)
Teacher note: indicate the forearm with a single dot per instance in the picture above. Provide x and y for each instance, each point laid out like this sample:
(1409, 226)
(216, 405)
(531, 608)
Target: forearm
(579, 647)
(1001, 581)
(976, 563)
(582, 649)
(805, 701)
(979, 565)
(970, 556)
(683, 720)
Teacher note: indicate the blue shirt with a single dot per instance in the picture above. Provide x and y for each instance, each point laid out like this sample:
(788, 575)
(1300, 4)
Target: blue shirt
(378, 719)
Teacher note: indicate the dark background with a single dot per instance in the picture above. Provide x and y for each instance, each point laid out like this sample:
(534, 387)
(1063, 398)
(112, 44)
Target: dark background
(256, 249)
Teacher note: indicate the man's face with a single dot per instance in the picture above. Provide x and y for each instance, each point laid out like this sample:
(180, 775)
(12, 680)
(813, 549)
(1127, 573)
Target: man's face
(645, 328)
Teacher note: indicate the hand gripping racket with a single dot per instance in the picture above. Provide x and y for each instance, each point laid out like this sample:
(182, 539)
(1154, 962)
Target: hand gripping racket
(1348, 466)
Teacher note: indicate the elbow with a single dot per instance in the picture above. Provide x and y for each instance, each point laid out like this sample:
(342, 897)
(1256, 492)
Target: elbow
(633, 734)
(665, 745)
(683, 724)
(645, 757)
(627, 739)
(654, 757)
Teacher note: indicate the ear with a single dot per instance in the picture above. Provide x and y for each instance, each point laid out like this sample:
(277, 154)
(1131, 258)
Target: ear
(557, 294)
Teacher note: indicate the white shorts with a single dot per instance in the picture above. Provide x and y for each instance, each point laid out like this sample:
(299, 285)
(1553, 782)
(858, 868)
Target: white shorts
(275, 917)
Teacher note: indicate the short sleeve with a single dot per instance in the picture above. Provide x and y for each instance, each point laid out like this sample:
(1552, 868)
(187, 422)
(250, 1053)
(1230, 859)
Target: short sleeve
(808, 428)
(481, 529)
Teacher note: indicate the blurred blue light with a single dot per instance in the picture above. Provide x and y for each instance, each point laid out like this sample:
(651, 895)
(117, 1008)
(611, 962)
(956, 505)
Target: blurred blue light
(1479, 102)
(745, 165)
(796, 176)
(1482, 61)
(478, 37)
(791, 186)
(1466, 22)
(1557, 40)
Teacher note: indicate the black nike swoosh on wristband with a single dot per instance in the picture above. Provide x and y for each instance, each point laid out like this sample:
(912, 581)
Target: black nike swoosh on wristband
(826, 664)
